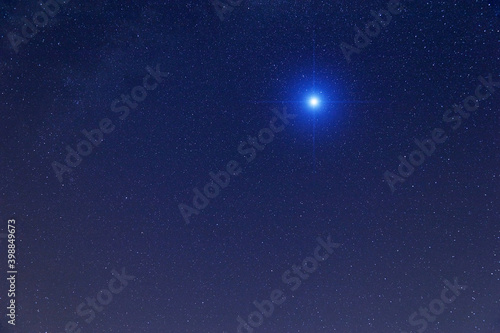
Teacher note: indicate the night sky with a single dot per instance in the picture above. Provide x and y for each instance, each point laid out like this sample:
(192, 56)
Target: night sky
(188, 159)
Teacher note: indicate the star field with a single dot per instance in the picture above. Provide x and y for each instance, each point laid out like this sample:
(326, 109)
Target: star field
(273, 142)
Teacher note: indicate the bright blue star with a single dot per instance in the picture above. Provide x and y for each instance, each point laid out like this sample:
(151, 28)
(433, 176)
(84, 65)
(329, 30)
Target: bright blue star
(314, 101)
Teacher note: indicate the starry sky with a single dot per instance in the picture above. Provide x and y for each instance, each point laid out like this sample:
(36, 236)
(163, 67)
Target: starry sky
(222, 83)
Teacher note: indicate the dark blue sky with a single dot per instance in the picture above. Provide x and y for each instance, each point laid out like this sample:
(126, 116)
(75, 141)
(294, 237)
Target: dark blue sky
(322, 175)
